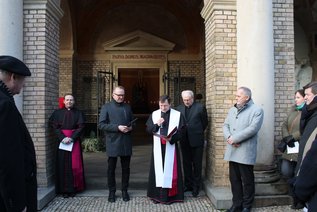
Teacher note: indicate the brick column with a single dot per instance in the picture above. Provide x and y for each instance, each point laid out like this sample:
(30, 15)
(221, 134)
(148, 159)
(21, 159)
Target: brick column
(221, 84)
(41, 50)
(284, 61)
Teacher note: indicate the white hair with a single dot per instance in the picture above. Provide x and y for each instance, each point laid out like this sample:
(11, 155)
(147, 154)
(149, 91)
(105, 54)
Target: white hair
(188, 93)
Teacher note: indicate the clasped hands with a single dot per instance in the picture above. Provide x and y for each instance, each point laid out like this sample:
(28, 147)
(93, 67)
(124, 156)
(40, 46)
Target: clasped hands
(230, 141)
(124, 128)
(67, 140)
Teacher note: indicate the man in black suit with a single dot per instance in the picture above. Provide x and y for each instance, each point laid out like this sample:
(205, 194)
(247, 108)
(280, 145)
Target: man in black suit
(192, 144)
(18, 186)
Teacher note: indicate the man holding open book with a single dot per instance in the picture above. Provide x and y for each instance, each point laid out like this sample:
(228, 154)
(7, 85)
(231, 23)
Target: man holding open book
(165, 178)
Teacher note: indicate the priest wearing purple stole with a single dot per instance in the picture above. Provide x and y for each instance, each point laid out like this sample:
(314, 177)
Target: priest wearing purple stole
(68, 125)
(165, 178)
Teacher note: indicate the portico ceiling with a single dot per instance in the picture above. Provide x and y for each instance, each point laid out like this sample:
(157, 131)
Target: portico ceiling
(88, 24)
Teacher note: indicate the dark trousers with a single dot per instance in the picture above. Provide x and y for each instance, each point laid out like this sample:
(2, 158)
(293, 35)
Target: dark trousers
(125, 165)
(242, 184)
(192, 164)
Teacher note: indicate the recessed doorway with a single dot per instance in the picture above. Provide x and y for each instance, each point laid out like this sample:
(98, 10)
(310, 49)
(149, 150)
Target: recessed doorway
(142, 88)
(142, 93)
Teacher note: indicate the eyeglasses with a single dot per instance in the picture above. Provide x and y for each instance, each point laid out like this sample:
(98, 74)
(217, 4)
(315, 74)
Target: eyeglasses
(121, 95)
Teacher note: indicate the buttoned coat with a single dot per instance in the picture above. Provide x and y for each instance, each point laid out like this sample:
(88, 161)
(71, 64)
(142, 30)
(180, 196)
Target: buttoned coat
(196, 123)
(291, 127)
(112, 115)
(243, 126)
(18, 186)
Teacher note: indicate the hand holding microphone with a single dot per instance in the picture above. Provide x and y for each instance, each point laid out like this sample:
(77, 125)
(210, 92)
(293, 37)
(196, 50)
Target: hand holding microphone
(160, 122)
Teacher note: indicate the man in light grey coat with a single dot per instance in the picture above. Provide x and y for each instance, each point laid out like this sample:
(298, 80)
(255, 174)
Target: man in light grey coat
(240, 131)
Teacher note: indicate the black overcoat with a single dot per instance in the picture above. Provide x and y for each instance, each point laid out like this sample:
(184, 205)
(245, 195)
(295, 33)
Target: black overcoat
(305, 187)
(196, 123)
(112, 115)
(18, 186)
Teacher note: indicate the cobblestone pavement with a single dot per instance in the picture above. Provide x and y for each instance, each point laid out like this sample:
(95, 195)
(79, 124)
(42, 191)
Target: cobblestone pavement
(139, 203)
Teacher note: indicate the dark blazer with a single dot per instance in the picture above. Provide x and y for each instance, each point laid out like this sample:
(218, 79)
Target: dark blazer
(112, 115)
(311, 124)
(18, 187)
(196, 123)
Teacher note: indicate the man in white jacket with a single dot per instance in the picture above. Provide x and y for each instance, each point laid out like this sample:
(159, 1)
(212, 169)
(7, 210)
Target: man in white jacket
(240, 130)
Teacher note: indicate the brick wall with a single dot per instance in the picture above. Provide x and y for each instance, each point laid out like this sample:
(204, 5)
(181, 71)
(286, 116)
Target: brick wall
(65, 76)
(189, 69)
(85, 88)
(284, 58)
(41, 43)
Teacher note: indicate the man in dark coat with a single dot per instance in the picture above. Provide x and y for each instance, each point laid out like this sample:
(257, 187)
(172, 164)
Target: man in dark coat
(18, 186)
(115, 119)
(305, 187)
(193, 143)
(308, 120)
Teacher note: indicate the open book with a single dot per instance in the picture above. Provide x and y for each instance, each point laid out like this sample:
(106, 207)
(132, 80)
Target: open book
(167, 137)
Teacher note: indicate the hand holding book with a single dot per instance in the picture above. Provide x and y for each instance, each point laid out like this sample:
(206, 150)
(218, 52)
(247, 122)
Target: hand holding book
(132, 122)
(167, 137)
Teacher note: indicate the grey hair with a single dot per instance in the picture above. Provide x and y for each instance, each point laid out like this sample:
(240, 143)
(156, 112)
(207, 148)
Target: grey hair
(246, 91)
(313, 86)
(188, 93)
(3, 74)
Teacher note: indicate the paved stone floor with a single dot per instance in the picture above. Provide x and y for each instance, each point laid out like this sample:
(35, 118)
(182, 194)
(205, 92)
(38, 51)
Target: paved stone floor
(94, 198)
(96, 201)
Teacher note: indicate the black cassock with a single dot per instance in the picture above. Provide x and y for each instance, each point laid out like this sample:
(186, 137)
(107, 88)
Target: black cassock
(159, 194)
(67, 181)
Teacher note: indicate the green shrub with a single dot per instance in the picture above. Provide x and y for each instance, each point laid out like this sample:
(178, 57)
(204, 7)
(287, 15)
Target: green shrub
(92, 144)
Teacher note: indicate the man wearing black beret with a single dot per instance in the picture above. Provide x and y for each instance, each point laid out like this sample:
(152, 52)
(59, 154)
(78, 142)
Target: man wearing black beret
(18, 185)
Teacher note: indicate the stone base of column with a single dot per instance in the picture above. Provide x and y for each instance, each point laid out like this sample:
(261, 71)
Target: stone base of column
(44, 196)
(268, 181)
(270, 190)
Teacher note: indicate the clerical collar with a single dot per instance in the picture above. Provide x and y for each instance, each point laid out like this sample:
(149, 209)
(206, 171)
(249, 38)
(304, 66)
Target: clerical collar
(166, 111)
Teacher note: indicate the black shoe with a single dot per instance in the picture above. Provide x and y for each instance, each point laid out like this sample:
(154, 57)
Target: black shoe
(125, 196)
(112, 196)
(246, 210)
(155, 202)
(235, 209)
(195, 193)
(187, 189)
(298, 205)
(65, 195)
